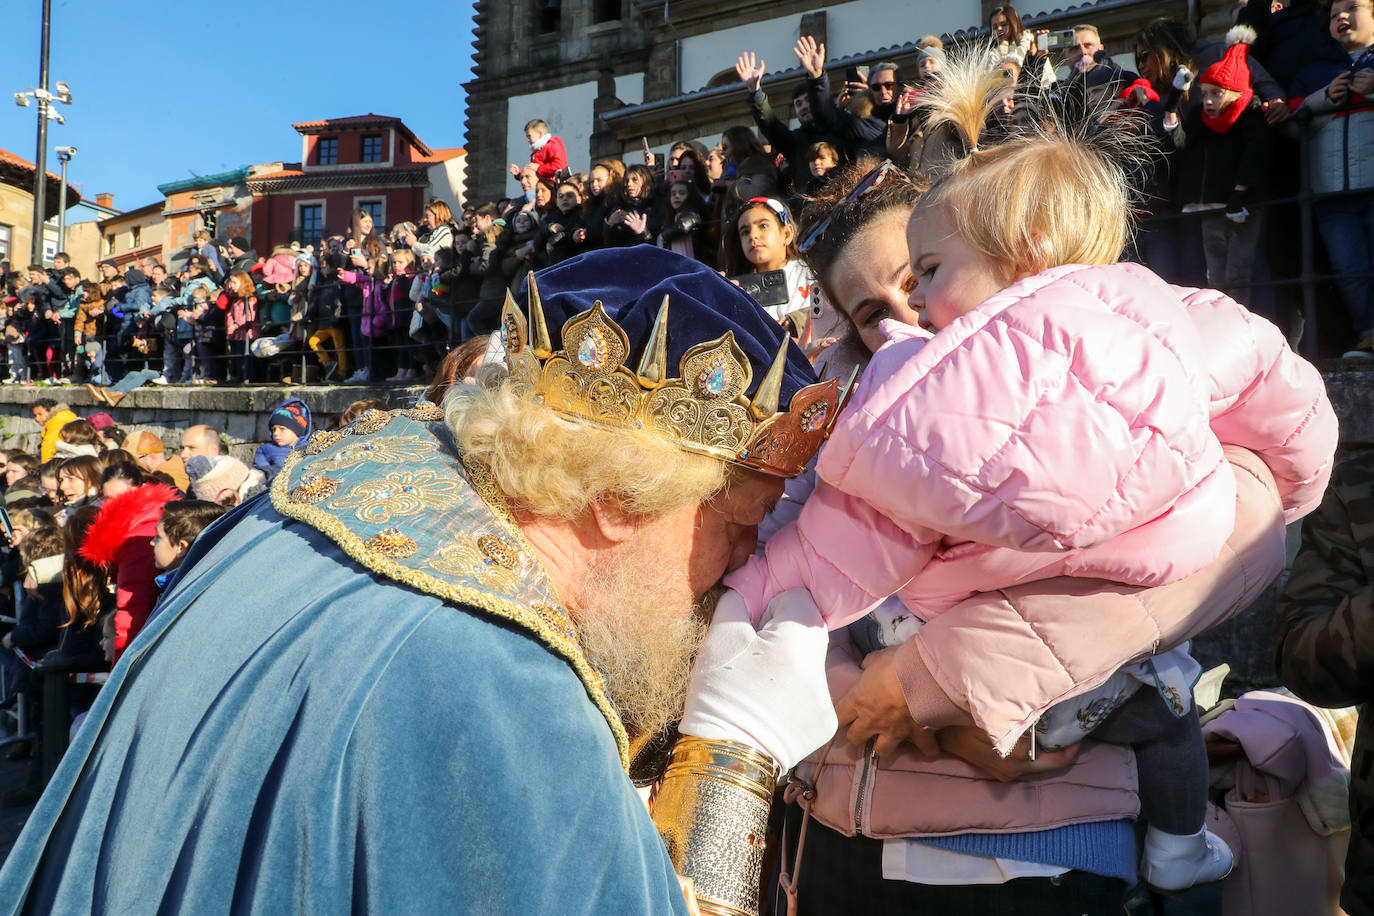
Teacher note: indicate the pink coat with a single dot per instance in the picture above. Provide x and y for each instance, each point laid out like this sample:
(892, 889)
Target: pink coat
(1071, 425)
(967, 648)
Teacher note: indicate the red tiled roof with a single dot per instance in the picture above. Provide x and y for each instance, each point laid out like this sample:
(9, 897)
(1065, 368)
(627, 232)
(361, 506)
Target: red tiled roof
(284, 173)
(19, 162)
(445, 154)
(359, 122)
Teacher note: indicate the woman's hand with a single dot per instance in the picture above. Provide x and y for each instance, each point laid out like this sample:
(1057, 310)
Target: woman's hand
(638, 223)
(876, 708)
(972, 746)
(580, 235)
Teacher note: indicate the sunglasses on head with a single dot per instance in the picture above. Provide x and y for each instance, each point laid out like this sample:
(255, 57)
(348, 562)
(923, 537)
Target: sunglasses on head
(882, 172)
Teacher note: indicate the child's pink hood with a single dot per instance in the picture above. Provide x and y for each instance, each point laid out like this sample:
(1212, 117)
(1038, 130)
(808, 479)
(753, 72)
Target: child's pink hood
(1063, 427)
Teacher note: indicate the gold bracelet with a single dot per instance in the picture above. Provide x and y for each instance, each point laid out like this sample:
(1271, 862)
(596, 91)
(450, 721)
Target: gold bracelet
(712, 812)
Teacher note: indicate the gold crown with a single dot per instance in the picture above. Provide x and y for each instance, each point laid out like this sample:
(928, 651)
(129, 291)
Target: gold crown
(703, 410)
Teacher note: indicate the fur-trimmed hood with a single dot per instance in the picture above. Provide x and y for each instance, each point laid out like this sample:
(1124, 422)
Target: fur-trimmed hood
(130, 516)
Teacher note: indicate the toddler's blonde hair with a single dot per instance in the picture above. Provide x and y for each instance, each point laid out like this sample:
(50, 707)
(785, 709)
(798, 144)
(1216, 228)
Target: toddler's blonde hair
(1050, 194)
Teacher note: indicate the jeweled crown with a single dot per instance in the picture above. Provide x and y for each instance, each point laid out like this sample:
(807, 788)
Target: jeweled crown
(704, 409)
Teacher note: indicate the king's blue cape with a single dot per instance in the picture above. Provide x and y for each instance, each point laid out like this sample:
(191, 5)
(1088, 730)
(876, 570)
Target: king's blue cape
(361, 696)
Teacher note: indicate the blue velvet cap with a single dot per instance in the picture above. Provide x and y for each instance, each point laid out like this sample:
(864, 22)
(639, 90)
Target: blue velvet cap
(630, 284)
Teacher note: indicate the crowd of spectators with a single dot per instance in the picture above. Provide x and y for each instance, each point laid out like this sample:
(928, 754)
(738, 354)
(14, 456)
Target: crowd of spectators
(97, 518)
(378, 304)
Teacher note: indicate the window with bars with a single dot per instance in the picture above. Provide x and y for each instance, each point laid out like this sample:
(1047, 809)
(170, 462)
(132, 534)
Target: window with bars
(327, 151)
(6, 236)
(376, 210)
(310, 217)
(372, 148)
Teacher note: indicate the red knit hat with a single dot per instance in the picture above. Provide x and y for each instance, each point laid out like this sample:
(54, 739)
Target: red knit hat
(1233, 70)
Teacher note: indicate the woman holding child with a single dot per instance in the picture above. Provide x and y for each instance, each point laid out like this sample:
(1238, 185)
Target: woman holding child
(907, 806)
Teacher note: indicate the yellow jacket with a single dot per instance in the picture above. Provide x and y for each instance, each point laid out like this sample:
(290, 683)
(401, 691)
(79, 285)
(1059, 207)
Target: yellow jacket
(60, 417)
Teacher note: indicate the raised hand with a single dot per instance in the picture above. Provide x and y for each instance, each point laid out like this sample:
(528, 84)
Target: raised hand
(811, 55)
(750, 71)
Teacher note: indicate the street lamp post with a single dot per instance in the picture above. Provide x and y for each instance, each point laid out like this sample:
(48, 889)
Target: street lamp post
(64, 155)
(46, 113)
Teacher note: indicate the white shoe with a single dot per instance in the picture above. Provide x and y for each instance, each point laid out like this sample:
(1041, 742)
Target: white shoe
(398, 377)
(412, 375)
(161, 380)
(358, 378)
(1171, 863)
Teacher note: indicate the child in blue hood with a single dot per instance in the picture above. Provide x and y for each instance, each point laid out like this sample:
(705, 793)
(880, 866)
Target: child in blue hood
(290, 426)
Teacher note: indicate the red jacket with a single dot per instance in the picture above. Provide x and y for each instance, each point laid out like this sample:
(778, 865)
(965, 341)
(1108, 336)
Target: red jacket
(121, 536)
(550, 159)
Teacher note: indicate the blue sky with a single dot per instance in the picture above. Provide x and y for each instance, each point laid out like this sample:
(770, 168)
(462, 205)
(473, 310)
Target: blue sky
(165, 90)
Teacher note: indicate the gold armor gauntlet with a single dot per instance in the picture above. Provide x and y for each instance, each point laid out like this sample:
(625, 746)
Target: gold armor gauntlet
(712, 811)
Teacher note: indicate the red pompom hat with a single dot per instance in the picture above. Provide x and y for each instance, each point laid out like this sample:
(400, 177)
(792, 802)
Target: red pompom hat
(1233, 70)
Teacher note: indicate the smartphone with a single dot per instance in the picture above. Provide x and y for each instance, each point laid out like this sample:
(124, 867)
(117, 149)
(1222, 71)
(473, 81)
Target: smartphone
(6, 526)
(766, 288)
(674, 175)
(856, 75)
(356, 253)
(1061, 39)
(644, 143)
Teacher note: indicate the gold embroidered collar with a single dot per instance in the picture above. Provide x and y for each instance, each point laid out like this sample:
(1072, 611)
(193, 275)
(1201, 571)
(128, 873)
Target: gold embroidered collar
(390, 490)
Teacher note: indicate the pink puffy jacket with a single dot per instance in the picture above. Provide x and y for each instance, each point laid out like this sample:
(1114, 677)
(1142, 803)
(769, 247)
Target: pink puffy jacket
(1070, 425)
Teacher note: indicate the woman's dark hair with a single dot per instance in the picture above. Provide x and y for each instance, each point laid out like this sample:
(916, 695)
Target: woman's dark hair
(1013, 19)
(1168, 43)
(25, 461)
(848, 217)
(185, 519)
(85, 585)
(743, 143)
(454, 367)
(646, 176)
(50, 467)
(87, 467)
(700, 182)
(122, 468)
(79, 432)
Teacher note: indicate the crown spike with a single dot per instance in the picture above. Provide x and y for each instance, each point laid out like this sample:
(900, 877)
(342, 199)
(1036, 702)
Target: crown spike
(539, 329)
(766, 399)
(653, 366)
(513, 327)
(842, 399)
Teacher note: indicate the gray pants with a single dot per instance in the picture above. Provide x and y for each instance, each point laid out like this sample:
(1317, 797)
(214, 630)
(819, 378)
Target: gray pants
(1230, 250)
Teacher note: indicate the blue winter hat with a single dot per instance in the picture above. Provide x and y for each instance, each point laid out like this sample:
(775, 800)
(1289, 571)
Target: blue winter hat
(290, 416)
(630, 284)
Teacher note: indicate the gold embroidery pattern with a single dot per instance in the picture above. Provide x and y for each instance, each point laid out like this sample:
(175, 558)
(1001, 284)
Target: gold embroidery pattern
(499, 551)
(399, 493)
(390, 542)
(324, 440)
(382, 450)
(314, 489)
(452, 573)
(372, 421)
(427, 413)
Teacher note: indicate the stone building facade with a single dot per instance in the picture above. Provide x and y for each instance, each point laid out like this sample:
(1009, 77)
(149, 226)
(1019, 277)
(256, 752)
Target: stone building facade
(607, 74)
